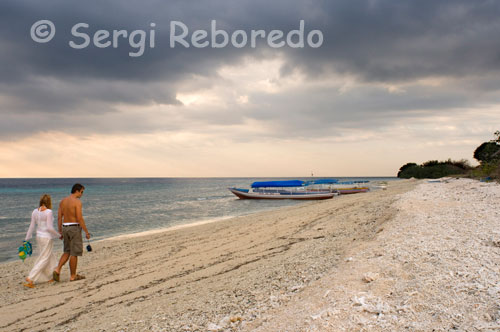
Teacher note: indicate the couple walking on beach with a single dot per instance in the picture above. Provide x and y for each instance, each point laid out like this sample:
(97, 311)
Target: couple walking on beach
(70, 225)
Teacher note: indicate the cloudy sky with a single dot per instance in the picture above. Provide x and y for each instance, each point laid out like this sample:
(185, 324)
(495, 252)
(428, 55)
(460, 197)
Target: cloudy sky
(393, 82)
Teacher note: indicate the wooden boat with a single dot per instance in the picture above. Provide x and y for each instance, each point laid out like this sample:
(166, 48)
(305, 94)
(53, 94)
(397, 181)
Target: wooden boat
(351, 187)
(353, 190)
(281, 195)
(294, 189)
(342, 188)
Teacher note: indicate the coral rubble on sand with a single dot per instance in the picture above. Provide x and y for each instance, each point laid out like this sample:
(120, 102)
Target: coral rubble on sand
(437, 268)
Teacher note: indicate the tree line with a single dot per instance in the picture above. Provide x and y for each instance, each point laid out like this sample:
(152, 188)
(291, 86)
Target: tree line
(487, 154)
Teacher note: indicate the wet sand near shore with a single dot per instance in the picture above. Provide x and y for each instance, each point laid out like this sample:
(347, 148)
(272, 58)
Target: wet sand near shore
(224, 275)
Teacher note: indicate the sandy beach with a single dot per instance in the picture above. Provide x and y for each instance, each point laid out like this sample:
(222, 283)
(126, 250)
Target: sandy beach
(418, 256)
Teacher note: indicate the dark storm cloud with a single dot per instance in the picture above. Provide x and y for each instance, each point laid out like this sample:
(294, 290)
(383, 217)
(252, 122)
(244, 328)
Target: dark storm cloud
(374, 41)
(404, 40)
(323, 112)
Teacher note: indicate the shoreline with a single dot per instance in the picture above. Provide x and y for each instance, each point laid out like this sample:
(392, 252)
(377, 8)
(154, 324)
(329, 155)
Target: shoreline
(173, 204)
(174, 227)
(126, 236)
(170, 228)
(160, 230)
(197, 276)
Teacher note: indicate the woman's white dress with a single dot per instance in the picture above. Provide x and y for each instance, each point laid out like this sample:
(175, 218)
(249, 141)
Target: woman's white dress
(45, 232)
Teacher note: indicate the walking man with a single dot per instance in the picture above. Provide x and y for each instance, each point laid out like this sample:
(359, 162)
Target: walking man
(70, 222)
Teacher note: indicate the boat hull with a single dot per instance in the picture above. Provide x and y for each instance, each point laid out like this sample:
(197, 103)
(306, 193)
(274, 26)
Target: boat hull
(297, 196)
(345, 191)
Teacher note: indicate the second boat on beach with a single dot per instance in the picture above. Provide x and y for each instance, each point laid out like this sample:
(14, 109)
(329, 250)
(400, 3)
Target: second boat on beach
(351, 187)
(297, 189)
(333, 185)
(293, 189)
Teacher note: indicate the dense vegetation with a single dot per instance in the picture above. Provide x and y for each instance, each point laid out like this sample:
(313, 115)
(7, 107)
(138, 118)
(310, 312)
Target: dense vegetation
(434, 169)
(487, 154)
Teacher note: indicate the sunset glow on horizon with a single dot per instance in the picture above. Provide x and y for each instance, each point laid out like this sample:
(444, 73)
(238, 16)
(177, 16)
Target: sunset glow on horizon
(388, 85)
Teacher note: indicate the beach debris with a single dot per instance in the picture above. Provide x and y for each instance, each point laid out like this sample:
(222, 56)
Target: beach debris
(228, 320)
(348, 259)
(371, 305)
(322, 314)
(274, 301)
(369, 277)
(214, 327)
(359, 301)
(495, 243)
(224, 321)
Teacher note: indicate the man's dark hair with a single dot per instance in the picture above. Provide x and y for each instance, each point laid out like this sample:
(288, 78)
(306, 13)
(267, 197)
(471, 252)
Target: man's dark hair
(77, 187)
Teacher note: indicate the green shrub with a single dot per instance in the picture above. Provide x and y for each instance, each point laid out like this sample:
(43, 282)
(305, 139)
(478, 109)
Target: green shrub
(487, 152)
(434, 169)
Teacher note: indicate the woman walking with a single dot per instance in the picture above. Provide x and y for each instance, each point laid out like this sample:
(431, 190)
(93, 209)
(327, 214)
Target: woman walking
(43, 218)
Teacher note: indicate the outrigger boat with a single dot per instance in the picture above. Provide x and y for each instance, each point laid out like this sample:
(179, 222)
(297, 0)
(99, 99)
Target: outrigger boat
(351, 187)
(293, 189)
(342, 188)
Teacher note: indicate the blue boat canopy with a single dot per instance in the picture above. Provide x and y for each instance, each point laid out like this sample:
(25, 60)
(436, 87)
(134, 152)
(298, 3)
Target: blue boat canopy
(267, 184)
(323, 181)
(352, 182)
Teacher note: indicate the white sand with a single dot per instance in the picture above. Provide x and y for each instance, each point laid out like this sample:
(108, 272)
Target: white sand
(435, 267)
(431, 257)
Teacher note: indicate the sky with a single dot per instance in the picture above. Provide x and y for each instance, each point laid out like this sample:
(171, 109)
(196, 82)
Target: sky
(392, 82)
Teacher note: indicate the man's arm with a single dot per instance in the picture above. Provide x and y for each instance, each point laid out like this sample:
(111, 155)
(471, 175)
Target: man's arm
(59, 218)
(80, 220)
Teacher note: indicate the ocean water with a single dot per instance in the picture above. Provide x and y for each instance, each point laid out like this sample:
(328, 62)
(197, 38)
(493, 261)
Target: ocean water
(118, 206)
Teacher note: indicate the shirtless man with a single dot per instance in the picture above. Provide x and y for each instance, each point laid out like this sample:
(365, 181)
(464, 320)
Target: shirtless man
(70, 222)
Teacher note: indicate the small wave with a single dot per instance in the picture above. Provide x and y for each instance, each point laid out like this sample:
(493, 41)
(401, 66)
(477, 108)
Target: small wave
(186, 224)
(212, 198)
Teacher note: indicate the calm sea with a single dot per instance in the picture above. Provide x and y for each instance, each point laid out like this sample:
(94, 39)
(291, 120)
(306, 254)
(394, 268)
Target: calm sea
(117, 206)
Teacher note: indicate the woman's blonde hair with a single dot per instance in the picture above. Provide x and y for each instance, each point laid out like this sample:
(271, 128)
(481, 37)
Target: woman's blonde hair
(46, 200)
